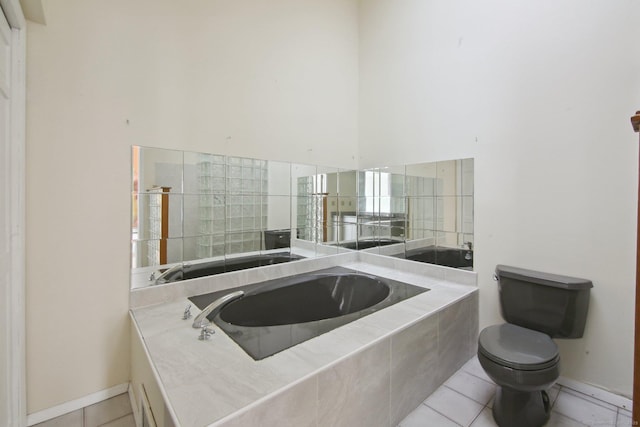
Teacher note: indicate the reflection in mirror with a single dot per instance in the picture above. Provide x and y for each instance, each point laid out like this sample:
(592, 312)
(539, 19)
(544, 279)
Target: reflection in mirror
(345, 213)
(365, 210)
(314, 202)
(381, 207)
(440, 213)
(197, 214)
(423, 212)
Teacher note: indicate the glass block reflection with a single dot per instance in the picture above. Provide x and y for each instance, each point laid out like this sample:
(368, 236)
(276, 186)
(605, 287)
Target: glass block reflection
(241, 213)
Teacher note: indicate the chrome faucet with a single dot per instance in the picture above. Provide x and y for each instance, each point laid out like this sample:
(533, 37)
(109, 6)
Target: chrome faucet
(162, 277)
(187, 312)
(201, 319)
(468, 255)
(205, 333)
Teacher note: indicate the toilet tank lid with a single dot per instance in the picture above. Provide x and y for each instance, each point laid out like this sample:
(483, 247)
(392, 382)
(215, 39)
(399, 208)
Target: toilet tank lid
(547, 279)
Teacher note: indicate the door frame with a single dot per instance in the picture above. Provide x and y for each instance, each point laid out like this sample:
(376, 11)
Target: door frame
(635, 122)
(16, 361)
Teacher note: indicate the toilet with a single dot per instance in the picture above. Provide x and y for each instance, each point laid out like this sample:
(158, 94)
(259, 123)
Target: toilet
(520, 355)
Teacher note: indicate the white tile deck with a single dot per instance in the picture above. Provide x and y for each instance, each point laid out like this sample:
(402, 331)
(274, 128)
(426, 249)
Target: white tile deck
(465, 400)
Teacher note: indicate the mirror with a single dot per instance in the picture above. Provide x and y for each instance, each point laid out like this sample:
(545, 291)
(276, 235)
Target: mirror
(439, 203)
(206, 213)
(202, 213)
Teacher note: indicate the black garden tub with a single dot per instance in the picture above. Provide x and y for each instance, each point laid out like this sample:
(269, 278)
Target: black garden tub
(278, 314)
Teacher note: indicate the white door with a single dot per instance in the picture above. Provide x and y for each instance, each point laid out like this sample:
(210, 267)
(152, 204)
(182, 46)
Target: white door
(5, 219)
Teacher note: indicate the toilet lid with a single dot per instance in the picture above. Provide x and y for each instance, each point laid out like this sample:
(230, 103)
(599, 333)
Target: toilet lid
(517, 347)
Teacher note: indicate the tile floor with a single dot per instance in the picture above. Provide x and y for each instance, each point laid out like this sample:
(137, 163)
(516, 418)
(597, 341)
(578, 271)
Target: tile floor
(465, 400)
(113, 412)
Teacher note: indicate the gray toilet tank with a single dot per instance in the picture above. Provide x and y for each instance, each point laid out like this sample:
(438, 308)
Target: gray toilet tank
(550, 303)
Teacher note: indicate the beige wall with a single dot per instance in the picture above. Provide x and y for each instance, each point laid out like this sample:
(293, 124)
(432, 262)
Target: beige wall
(540, 93)
(268, 79)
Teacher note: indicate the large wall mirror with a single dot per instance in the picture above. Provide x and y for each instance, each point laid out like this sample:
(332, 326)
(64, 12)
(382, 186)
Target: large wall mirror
(196, 214)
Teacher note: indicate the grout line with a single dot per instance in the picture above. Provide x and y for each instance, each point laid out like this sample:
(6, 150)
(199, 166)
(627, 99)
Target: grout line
(567, 416)
(116, 419)
(579, 395)
(457, 392)
(477, 376)
(591, 400)
(470, 398)
(572, 419)
(477, 416)
(444, 415)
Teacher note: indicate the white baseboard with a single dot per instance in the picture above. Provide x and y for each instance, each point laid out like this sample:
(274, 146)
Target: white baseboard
(74, 405)
(596, 392)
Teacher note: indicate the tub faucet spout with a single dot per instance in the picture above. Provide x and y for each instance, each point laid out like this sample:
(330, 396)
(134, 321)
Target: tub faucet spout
(201, 320)
(468, 256)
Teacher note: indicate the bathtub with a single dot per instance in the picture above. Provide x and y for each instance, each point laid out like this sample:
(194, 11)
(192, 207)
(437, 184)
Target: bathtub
(368, 243)
(372, 371)
(278, 314)
(202, 269)
(448, 257)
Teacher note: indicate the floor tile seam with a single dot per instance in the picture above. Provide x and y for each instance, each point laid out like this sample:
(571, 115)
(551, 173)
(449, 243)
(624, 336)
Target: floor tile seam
(480, 413)
(624, 410)
(470, 398)
(478, 377)
(115, 419)
(577, 421)
(618, 414)
(444, 415)
(577, 394)
(491, 383)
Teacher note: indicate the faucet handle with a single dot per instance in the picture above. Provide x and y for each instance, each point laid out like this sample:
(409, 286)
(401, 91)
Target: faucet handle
(205, 332)
(187, 312)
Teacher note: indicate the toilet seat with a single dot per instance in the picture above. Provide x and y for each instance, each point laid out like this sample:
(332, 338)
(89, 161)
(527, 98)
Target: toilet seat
(518, 348)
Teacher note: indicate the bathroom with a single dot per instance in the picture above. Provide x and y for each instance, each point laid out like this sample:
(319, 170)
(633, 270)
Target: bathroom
(538, 95)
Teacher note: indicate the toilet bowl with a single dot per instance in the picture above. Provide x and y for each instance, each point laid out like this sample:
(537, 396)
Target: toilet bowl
(520, 356)
(524, 364)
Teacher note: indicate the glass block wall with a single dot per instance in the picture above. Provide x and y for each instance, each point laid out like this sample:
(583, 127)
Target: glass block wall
(232, 205)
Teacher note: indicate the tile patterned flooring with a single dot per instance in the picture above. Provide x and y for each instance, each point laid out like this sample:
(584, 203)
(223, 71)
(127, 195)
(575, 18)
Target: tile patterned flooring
(113, 412)
(465, 400)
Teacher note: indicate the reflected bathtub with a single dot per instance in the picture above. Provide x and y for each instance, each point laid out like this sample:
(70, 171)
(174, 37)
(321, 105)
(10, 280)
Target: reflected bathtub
(448, 257)
(201, 269)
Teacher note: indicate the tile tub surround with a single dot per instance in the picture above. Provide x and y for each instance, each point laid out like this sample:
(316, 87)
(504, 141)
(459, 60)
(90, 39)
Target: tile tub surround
(379, 367)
